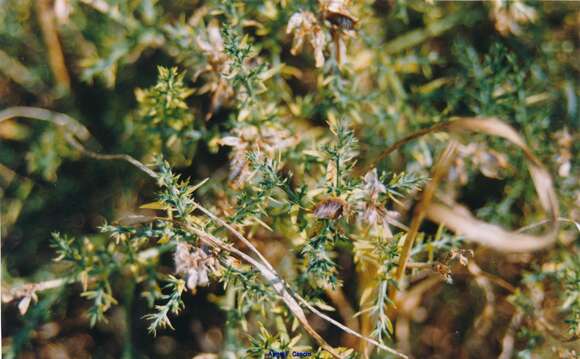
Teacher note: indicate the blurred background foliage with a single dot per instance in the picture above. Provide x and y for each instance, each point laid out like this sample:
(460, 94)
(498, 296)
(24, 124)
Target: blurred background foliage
(205, 83)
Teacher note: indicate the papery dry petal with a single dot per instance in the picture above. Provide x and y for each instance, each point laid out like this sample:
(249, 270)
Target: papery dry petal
(332, 208)
(490, 162)
(24, 304)
(305, 27)
(203, 279)
(331, 172)
(462, 255)
(192, 280)
(203, 44)
(231, 141)
(564, 157)
(522, 12)
(215, 36)
(62, 10)
(386, 230)
(372, 184)
(508, 16)
(297, 45)
(294, 22)
(194, 264)
(318, 42)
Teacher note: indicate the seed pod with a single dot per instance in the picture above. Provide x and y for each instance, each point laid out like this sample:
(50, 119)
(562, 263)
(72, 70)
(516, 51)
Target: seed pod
(337, 13)
(332, 208)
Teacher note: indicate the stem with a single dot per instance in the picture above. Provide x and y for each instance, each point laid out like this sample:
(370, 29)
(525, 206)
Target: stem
(10, 294)
(75, 130)
(128, 296)
(438, 172)
(48, 27)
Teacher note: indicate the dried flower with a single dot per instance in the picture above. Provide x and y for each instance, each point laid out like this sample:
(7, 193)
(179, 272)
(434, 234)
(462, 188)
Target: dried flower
(24, 304)
(194, 265)
(28, 295)
(444, 271)
(342, 22)
(565, 141)
(62, 10)
(371, 210)
(462, 255)
(508, 15)
(247, 139)
(212, 45)
(488, 161)
(305, 27)
(373, 185)
(331, 208)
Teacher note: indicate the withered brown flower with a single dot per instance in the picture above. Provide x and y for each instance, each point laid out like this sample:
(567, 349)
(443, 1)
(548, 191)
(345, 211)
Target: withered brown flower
(565, 142)
(488, 161)
(212, 45)
(371, 210)
(248, 139)
(330, 208)
(337, 13)
(462, 255)
(194, 264)
(305, 27)
(508, 15)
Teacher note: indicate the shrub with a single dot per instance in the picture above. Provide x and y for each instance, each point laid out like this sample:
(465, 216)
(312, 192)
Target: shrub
(317, 178)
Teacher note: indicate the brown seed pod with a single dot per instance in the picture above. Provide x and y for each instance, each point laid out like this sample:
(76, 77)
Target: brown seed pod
(337, 13)
(332, 208)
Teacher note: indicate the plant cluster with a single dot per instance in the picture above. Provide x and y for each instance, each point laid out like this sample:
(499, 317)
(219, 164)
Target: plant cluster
(338, 178)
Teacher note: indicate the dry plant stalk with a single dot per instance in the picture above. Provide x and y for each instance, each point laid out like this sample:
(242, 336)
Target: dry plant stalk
(270, 274)
(47, 22)
(272, 278)
(344, 308)
(438, 172)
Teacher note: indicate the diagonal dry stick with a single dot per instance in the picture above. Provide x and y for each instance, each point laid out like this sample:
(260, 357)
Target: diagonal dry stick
(271, 277)
(287, 295)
